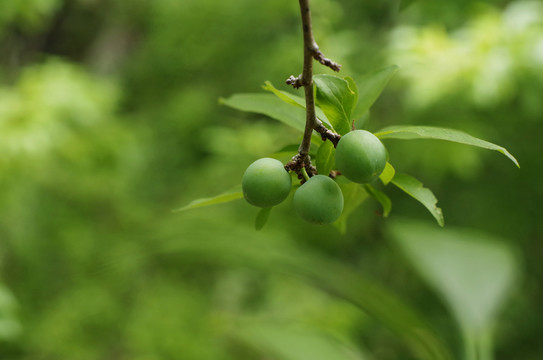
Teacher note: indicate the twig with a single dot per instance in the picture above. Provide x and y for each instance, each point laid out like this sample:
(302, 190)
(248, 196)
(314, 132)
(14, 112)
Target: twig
(307, 78)
(297, 163)
(296, 82)
(327, 134)
(319, 56)
(311, 51)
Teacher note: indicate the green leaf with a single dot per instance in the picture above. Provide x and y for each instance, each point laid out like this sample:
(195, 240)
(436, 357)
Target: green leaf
(414, 188)
(286, 342)
(230, 195)
(431, 132)
(326, 158)
(383, 199)
(371, 86)
(472, 271)
(262, 218)
(388, 174)
(273, 253)
(269, 105)
(354, 89)
(285, 96)
(296, 101)
(336, 99)
(353, 196)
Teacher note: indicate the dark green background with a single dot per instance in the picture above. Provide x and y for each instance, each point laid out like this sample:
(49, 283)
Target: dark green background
(109, 119)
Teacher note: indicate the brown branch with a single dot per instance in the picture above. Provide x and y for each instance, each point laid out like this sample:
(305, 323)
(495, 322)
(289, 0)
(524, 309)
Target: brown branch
(319, 56)
(297, 163)
(307, 78)
(311, 51)
(296, 82)
(327, 134)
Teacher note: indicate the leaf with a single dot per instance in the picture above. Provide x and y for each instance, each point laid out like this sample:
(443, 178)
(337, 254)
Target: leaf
(285, 96)
(414, 188)
(383, 199)
(388, 174)
(296, 101)
(269, 105)
(336, 99)
(286, 342)
(472, 271)
(273, 253)
(353, 196)
(262, 218)
(371, 86)
(354, 89)
(431, 132)
(326, 158)
(225, 197)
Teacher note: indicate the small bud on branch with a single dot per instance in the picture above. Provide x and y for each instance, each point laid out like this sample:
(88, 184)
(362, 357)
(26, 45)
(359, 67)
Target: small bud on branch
(296, 82)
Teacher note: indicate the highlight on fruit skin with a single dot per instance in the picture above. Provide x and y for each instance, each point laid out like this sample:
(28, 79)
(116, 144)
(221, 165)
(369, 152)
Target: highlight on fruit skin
(319, 200)
(360, 156)
(266, 183)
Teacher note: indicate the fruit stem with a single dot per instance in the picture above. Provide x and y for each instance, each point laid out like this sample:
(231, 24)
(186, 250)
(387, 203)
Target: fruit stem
(304, 173)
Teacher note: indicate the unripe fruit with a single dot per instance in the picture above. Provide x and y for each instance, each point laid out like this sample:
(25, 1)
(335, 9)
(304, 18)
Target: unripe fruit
(360, 156)
(319, 200)
(266, 183)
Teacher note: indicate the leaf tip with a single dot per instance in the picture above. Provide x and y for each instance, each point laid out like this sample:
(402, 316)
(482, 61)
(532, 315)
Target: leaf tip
(510, 156)
(440, 219)
(267, 85)
(516, 162)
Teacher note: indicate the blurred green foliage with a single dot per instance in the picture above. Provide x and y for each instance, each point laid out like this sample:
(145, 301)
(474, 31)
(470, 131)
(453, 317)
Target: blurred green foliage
(109, 120)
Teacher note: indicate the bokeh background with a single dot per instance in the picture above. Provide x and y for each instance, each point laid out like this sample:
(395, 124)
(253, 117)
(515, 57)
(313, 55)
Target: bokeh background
(110, 119)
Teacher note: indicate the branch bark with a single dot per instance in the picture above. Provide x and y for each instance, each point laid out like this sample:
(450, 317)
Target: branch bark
(311, 51)
(307, 78)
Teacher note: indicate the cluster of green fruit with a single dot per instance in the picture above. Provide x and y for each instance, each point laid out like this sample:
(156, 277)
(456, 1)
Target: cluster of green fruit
(360, 157)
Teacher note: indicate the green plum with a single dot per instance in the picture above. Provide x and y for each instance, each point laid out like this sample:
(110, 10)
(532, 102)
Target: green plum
(319, 200)
(266, 183)
(360, 156)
